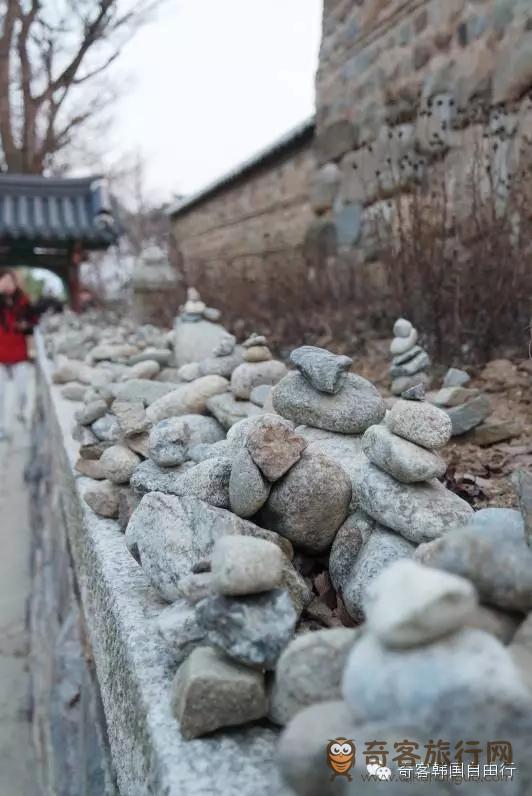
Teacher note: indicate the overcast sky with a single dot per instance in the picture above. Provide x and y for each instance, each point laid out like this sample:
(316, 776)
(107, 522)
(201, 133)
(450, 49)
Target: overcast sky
(213, 81)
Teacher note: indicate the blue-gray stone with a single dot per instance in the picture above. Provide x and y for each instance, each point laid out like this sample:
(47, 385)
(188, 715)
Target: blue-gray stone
(348, 223)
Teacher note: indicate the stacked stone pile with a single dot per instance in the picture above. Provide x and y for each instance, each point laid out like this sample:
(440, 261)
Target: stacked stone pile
(410, 361)
(251, 381)
(421, 670)
(269, 537)
(466, 407)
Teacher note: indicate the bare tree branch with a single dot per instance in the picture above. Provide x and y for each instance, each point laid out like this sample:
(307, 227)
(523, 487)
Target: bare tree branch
(47, 52)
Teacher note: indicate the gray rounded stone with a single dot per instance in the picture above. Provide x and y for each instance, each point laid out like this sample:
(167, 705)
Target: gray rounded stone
(178, 626)
(421, 423)
(402, 328)
(357, 406)
(228, 411)
(456, 378)
(131, 417)
(409, 604)
(404, 460)
(310, 670)
(171, 438)
(74, 391)
(465, 672)
(309, 503)
(249, 375)
(143, 390)
(187, 399)
(493, 555)
(361, 550)
(106, 428)
(469, 415)
(248, 489)
(119, 463)
(244, 565)
(91, 412)
(196, 341)
(146, 369)
(400, 345)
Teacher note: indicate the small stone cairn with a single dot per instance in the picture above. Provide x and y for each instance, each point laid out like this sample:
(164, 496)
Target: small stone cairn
(410, 361)
(466, 407)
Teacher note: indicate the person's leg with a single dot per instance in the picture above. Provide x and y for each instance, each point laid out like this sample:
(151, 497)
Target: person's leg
(3, 386)
(20, 377)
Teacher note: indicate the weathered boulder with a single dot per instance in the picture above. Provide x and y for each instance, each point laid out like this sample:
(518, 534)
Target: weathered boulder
(309, 503)
(175, 535)
(106, 428)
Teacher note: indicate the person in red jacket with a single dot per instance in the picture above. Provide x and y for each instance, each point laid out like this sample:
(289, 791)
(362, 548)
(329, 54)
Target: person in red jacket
(17, 320)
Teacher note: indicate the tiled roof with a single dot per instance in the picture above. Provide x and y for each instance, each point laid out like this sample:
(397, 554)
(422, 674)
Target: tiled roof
(43, 209)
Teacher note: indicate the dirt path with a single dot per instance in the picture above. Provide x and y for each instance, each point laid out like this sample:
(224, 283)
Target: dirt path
(17, 761)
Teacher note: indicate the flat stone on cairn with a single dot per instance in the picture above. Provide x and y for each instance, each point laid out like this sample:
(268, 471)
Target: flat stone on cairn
(410, 361)
(323, 369)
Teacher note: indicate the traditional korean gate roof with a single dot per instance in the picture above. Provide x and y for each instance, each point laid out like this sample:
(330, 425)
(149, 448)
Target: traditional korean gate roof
(43, 218)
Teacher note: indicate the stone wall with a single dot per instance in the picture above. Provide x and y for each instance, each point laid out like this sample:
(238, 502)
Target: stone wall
(102, 675)
(69, 728)
(396, 83)
(254, 217)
